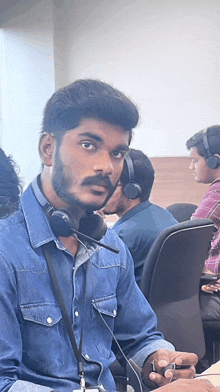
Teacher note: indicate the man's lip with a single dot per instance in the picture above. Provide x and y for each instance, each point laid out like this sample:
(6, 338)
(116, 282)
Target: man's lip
(99, 187)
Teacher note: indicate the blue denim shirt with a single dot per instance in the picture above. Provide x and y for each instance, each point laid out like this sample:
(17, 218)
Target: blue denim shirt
(35, 350)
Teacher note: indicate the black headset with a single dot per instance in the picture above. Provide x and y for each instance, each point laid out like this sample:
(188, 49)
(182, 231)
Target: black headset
(91, 226)
(212, 161)
(132, 190)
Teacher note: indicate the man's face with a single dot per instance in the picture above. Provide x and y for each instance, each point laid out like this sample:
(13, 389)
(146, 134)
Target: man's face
(201, 171)
(88, 163)
(115, 204)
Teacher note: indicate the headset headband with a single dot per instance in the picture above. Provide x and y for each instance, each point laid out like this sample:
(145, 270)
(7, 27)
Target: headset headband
(131, 175)
(205, 141)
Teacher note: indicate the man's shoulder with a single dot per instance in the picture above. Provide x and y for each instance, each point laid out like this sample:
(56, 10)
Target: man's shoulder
(10, 226)
(153, 218)
(214, 187)
(213, 193)
(153, 213)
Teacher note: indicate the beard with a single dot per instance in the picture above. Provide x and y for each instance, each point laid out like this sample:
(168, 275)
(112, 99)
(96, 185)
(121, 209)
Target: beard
(61, 184)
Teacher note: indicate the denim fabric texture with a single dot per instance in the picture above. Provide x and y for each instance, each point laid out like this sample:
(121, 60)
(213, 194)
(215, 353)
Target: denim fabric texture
(35, 350)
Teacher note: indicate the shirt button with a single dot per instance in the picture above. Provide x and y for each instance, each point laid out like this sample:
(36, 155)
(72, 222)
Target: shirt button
(87, 356)
(49, 320)
(76, 313)
(115, 312)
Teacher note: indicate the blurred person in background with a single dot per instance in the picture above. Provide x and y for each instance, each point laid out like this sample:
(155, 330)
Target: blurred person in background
(140, 220)
(10, 186)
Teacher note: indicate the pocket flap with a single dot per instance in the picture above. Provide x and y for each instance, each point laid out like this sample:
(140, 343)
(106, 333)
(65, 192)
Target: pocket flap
(106, 305)
(46, 314)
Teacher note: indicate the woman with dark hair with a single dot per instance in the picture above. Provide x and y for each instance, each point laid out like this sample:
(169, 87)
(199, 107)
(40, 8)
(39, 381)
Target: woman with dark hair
(10, 186)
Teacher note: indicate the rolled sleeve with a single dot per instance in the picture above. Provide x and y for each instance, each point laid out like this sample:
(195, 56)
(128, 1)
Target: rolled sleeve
(141, 355)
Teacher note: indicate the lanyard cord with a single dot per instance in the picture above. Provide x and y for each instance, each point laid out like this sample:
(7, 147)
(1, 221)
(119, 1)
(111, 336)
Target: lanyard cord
(77, 352)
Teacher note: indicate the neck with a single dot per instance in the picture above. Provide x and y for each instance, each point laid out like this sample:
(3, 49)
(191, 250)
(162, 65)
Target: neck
(128, 206)
(71, 243)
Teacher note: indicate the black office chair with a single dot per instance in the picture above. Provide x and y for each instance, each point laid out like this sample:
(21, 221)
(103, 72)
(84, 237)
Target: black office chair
(170, 282)
(182, 211)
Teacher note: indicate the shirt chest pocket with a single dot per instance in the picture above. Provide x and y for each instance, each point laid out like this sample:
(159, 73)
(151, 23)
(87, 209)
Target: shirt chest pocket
(104, 313)
(42, 343)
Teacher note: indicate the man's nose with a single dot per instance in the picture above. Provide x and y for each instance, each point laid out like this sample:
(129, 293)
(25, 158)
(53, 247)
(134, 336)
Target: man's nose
(103, 163)
(191, 166)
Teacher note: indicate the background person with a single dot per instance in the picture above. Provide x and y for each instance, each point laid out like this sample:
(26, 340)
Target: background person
(140, 220)
(204, 149)
(10, 186)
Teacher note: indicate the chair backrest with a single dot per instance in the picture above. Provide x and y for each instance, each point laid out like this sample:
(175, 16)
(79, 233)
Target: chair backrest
(170, 282)
(182, 211)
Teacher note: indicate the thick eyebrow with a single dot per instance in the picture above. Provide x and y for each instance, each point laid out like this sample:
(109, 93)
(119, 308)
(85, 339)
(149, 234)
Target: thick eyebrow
(91, 136)
(122, 147)
(97, 138)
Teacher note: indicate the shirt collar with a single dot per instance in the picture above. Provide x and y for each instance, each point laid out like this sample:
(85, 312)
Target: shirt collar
(217, 180)
(38, 225)
(133, 211)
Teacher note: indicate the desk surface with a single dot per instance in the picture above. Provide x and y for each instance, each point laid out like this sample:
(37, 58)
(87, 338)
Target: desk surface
(215, 379)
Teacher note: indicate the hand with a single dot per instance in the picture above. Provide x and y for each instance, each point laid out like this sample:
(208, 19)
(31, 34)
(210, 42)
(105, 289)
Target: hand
(189, 386)
(211, 287)
(163, 358)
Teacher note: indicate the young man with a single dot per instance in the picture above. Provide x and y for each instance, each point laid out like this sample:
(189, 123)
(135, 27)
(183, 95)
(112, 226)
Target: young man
(10, 186)
(140, 221)
(204, 149)
(86, 133)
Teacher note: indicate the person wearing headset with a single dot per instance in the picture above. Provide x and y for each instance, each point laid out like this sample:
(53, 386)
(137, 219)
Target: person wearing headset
(10, 186)
(140, 220)
(204, 148)
(66, 293)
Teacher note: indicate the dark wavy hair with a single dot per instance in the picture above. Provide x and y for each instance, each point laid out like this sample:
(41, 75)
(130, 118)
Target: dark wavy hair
(10, 186)
(88, 98)
(143, 172)
(213, 136)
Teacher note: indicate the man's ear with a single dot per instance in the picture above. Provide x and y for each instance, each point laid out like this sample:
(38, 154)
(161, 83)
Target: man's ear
(47, 146)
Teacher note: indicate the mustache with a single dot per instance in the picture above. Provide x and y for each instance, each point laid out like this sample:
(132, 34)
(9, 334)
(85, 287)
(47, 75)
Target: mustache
(99, 180)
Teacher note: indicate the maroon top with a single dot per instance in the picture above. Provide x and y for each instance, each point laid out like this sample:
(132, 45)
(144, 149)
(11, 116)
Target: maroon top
(210, 208)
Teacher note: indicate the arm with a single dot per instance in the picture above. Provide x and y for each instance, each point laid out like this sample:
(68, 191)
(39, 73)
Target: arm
(182, 366)
(10, 336)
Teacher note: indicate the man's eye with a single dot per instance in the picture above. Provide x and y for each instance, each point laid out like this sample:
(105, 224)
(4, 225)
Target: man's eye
(88, 145)
(118, 154)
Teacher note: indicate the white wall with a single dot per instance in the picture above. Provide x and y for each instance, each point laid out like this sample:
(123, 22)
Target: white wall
(163, 53)
(27, 69)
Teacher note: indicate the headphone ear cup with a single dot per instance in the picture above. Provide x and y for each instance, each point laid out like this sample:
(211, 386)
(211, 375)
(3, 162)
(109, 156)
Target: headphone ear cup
(93, 225)
(132, 190)
(213, 161)
(61, 223)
